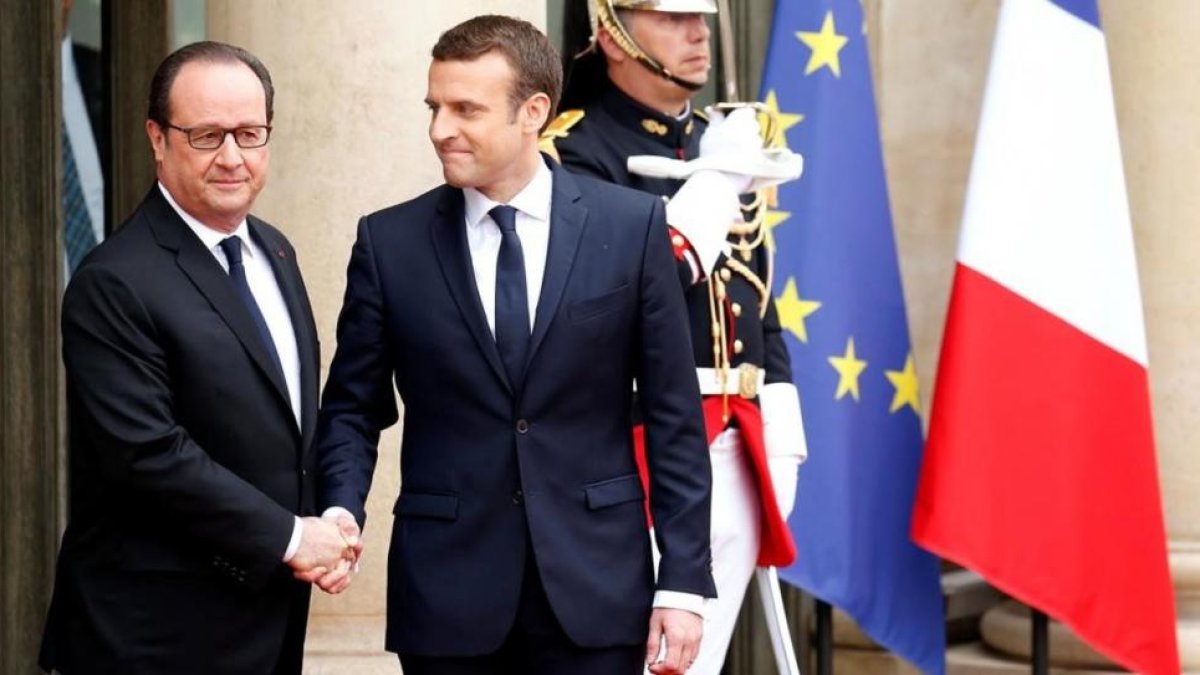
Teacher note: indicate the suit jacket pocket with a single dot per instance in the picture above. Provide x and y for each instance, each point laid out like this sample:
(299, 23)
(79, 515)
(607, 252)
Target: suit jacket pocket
(597, 306)
(613, 491)
(419, 505)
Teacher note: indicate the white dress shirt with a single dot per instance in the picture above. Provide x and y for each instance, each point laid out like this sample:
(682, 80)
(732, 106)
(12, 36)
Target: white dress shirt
(533, 228)
(269, 297)
(83, 140)
(83, 146)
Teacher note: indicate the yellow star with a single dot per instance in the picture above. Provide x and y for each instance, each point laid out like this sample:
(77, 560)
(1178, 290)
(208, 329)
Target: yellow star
(772, 219)
(849, 367)
(825, 46)
(793, 310)
(775, 218)
(786, 120)
(907, 386)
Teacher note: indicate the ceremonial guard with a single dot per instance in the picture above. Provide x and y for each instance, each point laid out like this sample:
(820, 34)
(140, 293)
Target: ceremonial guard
(633, 88)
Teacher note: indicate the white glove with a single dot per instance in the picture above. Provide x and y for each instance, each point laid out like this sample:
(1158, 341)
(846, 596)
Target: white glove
(732, 145)
(783, 434)
(784, 475)
(732, 136)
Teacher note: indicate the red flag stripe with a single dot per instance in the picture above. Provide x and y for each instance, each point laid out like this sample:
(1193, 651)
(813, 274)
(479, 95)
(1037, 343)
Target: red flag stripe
(1040, 473)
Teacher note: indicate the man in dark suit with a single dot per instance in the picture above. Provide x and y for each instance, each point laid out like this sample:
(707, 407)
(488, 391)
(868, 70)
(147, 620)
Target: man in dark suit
(192, 362)
(514, 308)
(635, 83)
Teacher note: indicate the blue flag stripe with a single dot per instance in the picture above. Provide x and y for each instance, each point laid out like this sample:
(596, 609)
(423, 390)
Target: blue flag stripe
(1086, 10)
(852, 515)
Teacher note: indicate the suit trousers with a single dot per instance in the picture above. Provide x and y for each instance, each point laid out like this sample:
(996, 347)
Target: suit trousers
(536, 645)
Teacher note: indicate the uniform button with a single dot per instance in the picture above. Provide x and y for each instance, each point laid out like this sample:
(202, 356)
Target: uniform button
(726, 275)
(736, 309)
(518, 497)
(304, 473)
(677, 241)
(522, 427)
(738, 346)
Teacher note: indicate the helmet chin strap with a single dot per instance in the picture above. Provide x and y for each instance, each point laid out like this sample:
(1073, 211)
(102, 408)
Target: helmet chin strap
(666, 74)
(625, 42)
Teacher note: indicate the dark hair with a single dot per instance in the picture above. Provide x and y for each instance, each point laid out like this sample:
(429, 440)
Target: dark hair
(211, 52)
(527, 50)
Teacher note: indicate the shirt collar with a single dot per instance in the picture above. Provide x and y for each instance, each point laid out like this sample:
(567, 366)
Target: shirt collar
(533, 200)
(208, 236)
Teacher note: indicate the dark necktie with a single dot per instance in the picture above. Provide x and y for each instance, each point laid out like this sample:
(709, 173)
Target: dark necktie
(78, 236)
(237, 273)
(512, 302)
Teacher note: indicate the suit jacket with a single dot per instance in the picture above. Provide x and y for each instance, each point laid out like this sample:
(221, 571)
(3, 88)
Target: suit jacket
(493, 470)
(186, 462)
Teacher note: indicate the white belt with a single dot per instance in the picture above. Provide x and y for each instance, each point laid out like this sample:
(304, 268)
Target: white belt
(746, 381)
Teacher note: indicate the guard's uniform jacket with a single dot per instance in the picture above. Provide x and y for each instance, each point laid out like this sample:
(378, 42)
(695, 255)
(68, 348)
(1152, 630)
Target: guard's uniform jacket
(736, 339)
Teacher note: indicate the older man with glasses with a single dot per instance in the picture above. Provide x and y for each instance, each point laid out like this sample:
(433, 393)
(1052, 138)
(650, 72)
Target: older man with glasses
(192, 366)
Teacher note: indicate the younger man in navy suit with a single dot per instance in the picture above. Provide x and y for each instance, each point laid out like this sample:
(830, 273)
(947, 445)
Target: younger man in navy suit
(514, 308)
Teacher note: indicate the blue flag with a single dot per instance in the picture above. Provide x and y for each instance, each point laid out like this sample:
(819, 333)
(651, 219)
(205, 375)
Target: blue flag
(837, 288)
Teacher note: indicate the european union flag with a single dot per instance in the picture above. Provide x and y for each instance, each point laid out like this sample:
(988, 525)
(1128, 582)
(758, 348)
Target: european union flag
(837, 286)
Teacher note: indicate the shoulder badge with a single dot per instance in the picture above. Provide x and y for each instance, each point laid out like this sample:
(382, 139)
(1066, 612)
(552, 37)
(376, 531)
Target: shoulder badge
(653, 126)
(559, 128)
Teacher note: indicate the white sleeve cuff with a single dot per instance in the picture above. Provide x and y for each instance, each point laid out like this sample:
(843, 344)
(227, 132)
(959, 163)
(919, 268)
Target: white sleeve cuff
(783, 423)
(335, 511)
(677, 600)
(294, 543)
(703, 210)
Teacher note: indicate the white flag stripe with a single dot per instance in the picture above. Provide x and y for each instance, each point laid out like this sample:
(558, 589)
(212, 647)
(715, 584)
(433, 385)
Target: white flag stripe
(1046, 211)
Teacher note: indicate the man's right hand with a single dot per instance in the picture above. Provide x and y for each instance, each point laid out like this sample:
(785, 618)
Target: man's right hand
(322, 547)
(338, 578)
(674, 640)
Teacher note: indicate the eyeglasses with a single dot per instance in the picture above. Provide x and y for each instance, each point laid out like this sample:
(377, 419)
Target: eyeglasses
(211, 138)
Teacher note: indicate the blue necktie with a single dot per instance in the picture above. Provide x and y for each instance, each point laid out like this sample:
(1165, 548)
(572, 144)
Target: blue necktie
(512, 302)
(237, 273)
(78, 236)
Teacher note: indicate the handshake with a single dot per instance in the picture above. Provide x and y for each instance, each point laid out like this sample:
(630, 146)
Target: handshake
(329, 550)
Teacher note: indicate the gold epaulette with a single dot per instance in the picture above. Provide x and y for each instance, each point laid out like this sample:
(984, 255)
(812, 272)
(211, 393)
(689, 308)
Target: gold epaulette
(559, 128)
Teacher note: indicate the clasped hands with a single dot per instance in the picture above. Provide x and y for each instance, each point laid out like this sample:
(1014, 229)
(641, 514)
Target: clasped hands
(329, 550)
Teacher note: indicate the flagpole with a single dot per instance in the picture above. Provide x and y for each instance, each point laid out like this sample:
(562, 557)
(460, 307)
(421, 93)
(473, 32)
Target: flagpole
(824, 638)
(1040, 652)
(728, 57)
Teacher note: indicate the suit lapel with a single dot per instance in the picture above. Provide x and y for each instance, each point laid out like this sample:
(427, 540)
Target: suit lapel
(567, 220)
(448, 232)
(291, 285)
(213, 282)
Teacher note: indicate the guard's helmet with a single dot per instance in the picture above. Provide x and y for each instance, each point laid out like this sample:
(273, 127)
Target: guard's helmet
(605, 17)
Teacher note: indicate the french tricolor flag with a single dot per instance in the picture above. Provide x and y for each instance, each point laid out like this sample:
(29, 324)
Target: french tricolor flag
(1039, 470)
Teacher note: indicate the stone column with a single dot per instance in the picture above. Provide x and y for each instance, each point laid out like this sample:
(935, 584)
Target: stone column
(350, 138)
(32, 470)
(932, 58)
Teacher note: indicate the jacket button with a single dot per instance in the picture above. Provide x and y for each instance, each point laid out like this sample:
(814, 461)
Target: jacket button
(522, 427)
(518, 497)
